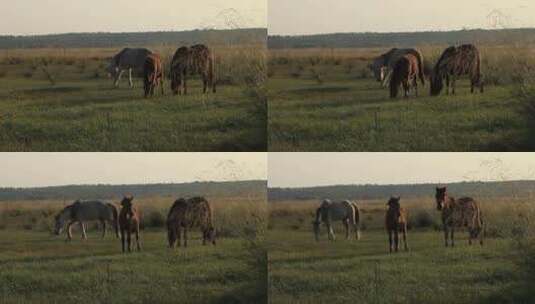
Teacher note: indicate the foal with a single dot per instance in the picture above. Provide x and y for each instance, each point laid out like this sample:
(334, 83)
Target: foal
(396, 221)
(128, 223)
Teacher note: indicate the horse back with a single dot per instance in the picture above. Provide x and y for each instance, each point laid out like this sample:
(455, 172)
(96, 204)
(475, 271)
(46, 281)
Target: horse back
(131, 58)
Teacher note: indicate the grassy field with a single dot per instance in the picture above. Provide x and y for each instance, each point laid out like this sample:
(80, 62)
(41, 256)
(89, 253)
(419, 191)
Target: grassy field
(327, 100)
(36, 265)
(305, 271)
(62, 100)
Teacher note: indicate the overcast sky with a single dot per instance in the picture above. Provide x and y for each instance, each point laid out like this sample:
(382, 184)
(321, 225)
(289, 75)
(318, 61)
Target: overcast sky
(294, 17)
(24, 17)
(321, 169)
(50, 169)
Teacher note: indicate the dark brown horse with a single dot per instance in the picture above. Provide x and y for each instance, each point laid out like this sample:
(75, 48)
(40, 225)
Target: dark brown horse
(455, 62)
(186, 214)
(152, 74)
(197, 59)
(129, 223)
(405, 73)
(395, 222)
(457, 213)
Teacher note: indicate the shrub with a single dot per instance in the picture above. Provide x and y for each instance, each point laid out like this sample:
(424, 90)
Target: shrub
(154, 219)
(27, 74)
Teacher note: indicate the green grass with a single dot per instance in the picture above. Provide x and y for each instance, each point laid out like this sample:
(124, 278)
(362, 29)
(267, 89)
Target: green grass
(358, 115)
(305, 271)
(35, 266)
(83, 112)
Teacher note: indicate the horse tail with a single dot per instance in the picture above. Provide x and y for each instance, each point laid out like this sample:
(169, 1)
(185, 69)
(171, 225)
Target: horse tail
(211, 71)
(115, 217)
(395, 80)
(357, 219)
(421, 74)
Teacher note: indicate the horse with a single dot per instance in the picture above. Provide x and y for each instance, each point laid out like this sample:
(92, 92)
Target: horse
(396, 221)
(127, 59)
(129, 220)
(405, 73)
(152, 74)
(457, 213)
(197, 59)
(187, 213)
(83, 211)
(454, 62)
(345, 211)
(383, 65)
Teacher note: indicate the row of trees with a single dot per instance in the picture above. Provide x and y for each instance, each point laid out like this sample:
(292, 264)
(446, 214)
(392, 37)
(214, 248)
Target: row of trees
(346, 40)
(111, 191)
(364, 192)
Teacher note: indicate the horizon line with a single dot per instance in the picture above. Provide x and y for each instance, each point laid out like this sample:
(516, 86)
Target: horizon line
(133, 184)
(403, 184)
(402, 32)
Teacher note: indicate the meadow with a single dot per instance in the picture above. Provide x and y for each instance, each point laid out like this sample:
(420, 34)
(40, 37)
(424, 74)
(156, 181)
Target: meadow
(305, 271)
(326, 99)
(60, 99)
(36, 265)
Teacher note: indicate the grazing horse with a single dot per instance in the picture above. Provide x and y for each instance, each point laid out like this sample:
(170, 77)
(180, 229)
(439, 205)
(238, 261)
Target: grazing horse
(462, 212)
(344, 211)
(128, 223)
(383, 65)
(405, 74)
(395, 222)
(83, 211)
(152, 74)
(197, 59)
(187, 213)
(127, 60)
(454, 62)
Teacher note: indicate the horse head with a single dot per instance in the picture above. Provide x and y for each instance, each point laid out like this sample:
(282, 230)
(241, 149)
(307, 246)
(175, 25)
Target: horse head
(393, 203)
(126, 203)
(440, 196)
(436, 83)
(60, 220)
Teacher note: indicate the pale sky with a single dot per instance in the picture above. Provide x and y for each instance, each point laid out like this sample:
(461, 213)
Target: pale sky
(52, 169)
(323, 169)
(298, 17)
(25, 17)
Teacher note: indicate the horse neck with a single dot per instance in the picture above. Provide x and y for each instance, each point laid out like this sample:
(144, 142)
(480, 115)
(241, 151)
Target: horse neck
(449, 202)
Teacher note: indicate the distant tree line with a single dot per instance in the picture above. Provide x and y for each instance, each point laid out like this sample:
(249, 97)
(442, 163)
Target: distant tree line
(73, 192)
(366, 192)
(104, 40)
(356, 40)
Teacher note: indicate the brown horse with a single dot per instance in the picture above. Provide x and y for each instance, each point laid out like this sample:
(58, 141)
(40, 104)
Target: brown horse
(197, 59)
(152, 74)
(405, 73)
(462, 212)
(395, 222)
(129, 223)
(186, 214)
(454, 62)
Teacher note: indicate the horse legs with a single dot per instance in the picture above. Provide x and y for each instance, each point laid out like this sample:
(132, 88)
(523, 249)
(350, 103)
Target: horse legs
(331, 232)
(84, 235)
(406, 88)
(415, 84)
(161, 84)
(346, 225)
(390, 240)
(204, 83)
(179, 235)
(396, 239)
(130, 78)
(447, 85)
(405, 237)
(129, 238)
(453, 85)
(103, 228)
(451, 237)
(123, 240)
(69, 231)
(118, 78)
(357, 232)
(137, 238)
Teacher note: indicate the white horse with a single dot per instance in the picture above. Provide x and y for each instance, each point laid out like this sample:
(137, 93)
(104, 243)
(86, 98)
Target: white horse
(84, 211)
(344, 211)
